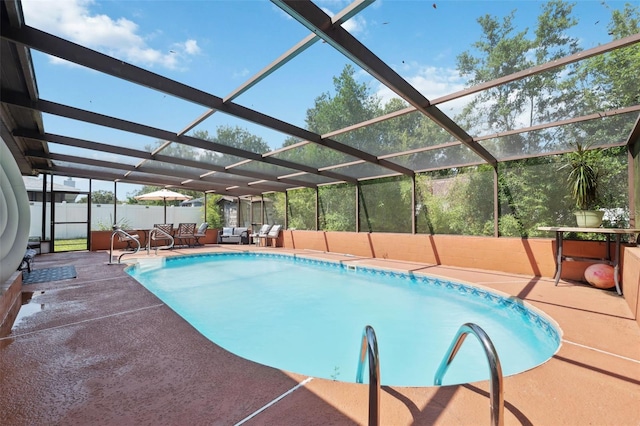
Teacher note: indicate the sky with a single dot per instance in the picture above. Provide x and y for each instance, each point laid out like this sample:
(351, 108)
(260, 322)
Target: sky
(217, 45)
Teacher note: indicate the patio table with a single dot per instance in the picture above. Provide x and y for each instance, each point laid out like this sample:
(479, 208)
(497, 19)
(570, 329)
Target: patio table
(615, 262)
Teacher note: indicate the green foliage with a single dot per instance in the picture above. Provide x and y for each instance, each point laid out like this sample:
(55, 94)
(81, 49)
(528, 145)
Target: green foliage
(275, 208)
(510, 226)
(385, 205)
(74, 244)
(457, 204)
(213, 210)
(352, 103)
(583, 176)
(233, 136)
(611, 80)
(302, 210)
(337, 207)
(99, 197)
(537, 99)
(532, 193)
(230, 136)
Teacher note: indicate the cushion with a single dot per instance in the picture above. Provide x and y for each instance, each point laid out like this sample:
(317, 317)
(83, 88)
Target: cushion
(227, 231)
(203, 227)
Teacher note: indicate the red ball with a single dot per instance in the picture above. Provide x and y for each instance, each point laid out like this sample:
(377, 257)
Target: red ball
(600, 275)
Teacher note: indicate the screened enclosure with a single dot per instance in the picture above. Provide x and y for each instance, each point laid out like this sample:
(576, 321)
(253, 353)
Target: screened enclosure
(396, 116)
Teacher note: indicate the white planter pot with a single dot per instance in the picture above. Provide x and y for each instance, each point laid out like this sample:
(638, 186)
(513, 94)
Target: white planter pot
(589, 218)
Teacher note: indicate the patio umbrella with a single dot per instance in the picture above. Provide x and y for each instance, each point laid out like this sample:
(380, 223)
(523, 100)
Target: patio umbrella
(164, 195)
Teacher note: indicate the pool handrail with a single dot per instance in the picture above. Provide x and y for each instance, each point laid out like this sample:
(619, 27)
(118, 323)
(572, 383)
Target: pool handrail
(163, 236)
(369, 346)
(495, 369)
(124, 236)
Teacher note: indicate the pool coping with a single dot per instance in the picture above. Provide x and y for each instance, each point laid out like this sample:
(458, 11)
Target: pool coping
(599, 350)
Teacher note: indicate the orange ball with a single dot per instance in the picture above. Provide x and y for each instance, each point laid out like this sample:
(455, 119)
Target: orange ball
(600, 275)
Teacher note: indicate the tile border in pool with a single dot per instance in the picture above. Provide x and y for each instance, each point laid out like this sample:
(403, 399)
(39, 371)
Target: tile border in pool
(543, 321)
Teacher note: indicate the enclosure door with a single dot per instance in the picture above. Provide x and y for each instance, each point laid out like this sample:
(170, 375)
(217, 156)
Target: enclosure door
(70, 221)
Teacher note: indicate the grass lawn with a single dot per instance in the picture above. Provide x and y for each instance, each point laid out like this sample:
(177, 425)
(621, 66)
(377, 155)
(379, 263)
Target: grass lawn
(70, 245)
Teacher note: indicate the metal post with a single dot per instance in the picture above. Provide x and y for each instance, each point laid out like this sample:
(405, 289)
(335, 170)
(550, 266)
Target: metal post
(286, 209)
(496, 203)
(317, 209)
(115, 202)
(52, 205)
(89, 215)
(357, 194)
(44, 208)
(413, 204)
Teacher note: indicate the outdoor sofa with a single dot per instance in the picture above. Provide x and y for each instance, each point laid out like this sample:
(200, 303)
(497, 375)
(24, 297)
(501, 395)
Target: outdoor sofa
(234, 236)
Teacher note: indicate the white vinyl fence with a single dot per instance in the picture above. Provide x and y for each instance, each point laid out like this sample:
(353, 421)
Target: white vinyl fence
(129, 216)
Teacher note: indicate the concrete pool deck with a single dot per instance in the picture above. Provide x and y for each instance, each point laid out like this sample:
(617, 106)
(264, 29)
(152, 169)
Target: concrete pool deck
(101, 349)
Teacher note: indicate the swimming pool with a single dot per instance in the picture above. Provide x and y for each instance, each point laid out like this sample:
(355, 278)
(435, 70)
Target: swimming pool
(307, 316)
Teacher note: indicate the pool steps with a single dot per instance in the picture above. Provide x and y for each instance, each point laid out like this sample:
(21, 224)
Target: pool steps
(369, 346)
(496, 394)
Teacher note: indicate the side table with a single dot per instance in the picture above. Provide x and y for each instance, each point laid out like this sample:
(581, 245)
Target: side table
(560, 257)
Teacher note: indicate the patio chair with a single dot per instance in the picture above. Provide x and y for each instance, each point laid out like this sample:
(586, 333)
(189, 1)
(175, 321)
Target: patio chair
(165, 229)
(200, 232)
(262, 233)
(185, 233)
(273, 234)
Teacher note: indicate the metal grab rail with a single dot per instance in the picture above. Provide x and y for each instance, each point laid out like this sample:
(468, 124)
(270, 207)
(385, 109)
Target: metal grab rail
(163, 236)
(123, 236)
(495, 369)
(370, 346)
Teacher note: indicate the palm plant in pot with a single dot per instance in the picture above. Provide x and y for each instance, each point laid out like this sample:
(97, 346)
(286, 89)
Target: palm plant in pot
(583, 183)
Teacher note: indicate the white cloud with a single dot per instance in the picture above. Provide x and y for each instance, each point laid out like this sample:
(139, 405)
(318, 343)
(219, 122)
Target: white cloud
(355, 25)
(121, 38)
(241, 74)
(432, 82)
(191, 47)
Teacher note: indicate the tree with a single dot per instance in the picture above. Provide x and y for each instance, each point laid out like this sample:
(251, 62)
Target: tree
(225, 135)
(352, 103)
(501, 51)
(337, 207)
(301, 209)
(99, 197)
(532, 192)
(233, 136)
(214, 212)
(612, 79)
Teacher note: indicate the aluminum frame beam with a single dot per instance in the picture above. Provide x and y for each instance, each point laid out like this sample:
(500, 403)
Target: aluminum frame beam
(147, 179)
(145, 155)
(195, 176)
(312, 17)
(54, 108)
(56, 46)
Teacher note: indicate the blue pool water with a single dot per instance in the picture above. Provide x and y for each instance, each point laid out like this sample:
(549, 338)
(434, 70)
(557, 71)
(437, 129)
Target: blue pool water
(307, 316)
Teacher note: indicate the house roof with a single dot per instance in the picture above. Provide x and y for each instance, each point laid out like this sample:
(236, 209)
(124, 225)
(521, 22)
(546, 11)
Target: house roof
(33, 184)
